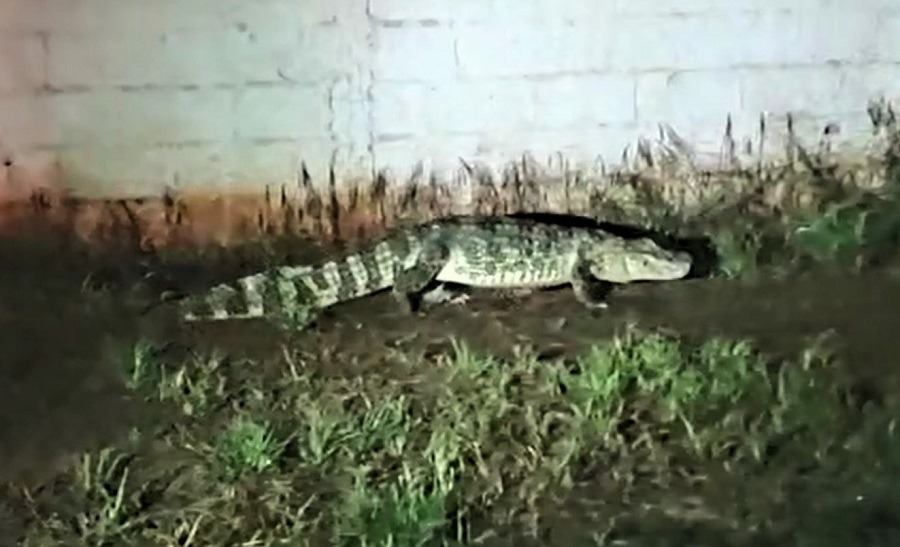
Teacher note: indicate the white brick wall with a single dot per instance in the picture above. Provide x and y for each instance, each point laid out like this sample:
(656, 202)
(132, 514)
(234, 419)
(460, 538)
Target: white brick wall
(130, 96)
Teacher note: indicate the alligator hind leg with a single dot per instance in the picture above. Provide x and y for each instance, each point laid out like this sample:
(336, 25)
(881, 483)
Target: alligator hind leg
(589, 290)
(410, 283)
(441, 295)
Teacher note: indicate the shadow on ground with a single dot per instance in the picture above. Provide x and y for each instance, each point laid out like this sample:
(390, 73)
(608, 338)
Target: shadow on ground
(857, 312)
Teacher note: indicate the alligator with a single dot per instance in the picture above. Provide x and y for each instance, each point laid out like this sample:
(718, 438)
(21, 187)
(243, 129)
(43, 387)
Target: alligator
(417, 263)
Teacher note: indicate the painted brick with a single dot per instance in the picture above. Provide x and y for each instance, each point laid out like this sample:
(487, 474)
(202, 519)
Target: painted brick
(251, 164)
(588, 148)
(796, 90)
(142, 118)
(887, 37)
(31, 169)
(489, 51)
(481, 79)
(258, 56)
(574, 13)
(694, 7)
(260, 15)
(469, 107)
(660, 40)
(682, 42)
(490, 11)
(579, 101)
(22, 15)
(320, 53)
(190, 166)
(651, 7)
(140, 171)
(127, 171)
(414, 54)
(26, 121)
(399, 108)
(837, 33)
(258, 49)
(142, 58)
(685, 97)
(95, 15)
(591, 147)
(442, 155)
(189, 57)
(300, 111)
(351, 115)
(23, 63)
(868, 82)
(136, 15)
(717, 40)
(682, 7)
(435, 10)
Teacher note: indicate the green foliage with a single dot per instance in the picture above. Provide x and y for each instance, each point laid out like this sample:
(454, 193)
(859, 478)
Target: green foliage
(846, 233)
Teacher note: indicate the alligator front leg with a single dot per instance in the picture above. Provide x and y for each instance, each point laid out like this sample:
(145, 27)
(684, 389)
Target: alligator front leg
(409, 283)
(589, 290)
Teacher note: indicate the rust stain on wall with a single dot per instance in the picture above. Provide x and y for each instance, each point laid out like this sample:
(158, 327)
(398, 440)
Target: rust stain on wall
(349, 212)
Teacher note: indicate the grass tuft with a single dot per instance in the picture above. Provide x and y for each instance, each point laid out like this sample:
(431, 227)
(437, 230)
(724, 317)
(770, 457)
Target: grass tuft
(245, 447)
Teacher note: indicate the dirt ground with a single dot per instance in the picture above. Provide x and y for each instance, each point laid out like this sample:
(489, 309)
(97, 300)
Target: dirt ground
(59, 396)
(858, 312)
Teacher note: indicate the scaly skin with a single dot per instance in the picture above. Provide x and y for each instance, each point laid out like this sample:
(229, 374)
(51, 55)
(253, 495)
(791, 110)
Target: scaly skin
(498, 253)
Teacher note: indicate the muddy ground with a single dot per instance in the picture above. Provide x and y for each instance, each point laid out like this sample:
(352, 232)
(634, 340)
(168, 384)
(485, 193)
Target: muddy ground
(60, 396)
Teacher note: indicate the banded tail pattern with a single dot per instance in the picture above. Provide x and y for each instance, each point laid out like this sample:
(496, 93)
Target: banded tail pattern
(296, 290)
